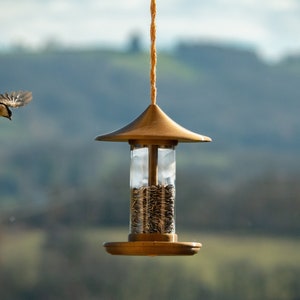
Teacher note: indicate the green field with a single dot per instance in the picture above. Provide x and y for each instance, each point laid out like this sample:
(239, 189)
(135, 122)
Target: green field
(264, 267)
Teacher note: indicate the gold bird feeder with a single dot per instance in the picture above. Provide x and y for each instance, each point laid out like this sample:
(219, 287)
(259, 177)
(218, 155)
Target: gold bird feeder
(152, 137)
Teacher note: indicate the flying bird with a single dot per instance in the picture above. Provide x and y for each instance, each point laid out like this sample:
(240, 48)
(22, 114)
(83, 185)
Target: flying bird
(13, 99)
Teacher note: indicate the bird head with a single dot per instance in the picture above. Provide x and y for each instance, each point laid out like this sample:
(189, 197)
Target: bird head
(5, 111)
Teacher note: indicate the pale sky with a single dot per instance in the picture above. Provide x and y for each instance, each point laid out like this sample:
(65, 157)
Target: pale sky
(272, 27)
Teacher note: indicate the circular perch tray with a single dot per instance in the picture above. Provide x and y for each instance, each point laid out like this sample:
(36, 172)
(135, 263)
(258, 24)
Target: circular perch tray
(152, 248)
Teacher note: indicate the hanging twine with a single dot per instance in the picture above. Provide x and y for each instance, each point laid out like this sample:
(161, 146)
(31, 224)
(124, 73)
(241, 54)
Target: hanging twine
(153, 54)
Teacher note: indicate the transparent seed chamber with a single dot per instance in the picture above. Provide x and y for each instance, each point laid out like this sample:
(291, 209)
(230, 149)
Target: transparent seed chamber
(152, 189)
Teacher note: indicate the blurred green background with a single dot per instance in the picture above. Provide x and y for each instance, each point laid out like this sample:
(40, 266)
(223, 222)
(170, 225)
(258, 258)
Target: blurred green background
(62, 194)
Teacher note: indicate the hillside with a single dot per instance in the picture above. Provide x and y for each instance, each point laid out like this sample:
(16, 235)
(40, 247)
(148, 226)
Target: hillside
(248, 107)
(224, 93)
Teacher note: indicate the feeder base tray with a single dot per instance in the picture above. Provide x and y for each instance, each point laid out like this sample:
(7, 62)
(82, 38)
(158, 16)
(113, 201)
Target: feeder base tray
(152, 248)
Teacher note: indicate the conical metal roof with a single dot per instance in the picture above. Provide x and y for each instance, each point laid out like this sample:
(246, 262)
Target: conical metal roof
(153, 125)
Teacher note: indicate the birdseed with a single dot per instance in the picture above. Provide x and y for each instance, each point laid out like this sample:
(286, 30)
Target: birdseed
(153, 209)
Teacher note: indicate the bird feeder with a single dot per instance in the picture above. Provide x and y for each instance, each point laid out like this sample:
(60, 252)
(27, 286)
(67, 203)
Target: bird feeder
(152, 137)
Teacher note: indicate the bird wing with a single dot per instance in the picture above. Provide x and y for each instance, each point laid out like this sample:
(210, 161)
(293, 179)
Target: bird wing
(16, 99)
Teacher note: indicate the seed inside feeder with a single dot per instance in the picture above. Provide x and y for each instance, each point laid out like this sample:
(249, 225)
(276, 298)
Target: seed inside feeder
(153, 209)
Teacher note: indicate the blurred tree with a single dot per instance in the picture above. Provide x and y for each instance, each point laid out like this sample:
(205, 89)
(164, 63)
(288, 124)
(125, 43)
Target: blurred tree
(135, 44)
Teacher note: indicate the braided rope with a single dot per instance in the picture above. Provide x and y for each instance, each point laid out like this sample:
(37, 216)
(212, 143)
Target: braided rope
(153, 54)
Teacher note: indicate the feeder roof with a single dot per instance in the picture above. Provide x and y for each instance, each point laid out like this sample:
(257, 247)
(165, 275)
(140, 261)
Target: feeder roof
(153, 125)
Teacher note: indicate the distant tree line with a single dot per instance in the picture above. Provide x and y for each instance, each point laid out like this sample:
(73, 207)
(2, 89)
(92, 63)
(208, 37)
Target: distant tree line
(268, 203)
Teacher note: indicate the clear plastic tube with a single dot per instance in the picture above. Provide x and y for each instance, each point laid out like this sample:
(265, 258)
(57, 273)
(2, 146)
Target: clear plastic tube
(152, 185)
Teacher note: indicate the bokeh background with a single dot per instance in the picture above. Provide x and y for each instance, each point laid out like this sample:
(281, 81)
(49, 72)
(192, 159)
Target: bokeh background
(226, 69)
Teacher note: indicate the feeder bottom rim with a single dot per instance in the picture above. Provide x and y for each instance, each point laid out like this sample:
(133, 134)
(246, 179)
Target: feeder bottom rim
(152, 248)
